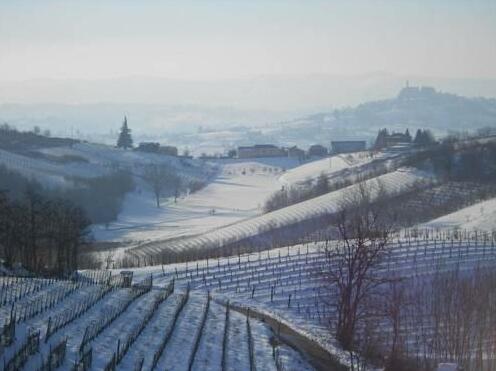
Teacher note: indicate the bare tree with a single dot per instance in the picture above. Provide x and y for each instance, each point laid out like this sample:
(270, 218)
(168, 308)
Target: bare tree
(176, 184)
(159, 178)
(41, 233)
(364, 229)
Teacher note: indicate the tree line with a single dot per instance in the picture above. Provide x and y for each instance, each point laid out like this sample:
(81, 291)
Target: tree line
(100, 197)
(42, 234)
(460, 160)
(42, 229)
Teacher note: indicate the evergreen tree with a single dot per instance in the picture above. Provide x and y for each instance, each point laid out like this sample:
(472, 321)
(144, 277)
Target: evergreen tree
(424, 138)
(418, 137)
(125, 141)
(380, 142)
(428, 138)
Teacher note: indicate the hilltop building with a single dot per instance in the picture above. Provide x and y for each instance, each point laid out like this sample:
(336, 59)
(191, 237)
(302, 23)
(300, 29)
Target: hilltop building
(416, 93)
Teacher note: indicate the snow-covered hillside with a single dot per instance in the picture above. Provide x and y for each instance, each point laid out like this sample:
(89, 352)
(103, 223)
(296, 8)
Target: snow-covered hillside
(109, 157)
(327, 166)
(394, 183)
(58, 165)
(284, 283)
(237, 192)
(96, 324)
(480, 216)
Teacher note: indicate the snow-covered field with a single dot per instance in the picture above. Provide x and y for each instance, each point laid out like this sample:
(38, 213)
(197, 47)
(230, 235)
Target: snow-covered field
(394, 183)
(237, 193)
(480, 216)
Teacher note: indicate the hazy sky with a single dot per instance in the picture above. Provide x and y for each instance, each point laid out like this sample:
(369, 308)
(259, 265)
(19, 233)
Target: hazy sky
(231, 39)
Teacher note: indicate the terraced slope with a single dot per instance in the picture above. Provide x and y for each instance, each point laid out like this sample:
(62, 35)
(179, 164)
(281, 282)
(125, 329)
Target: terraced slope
(140, 327)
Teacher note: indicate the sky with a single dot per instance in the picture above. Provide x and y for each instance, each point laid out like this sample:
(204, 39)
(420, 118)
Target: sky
(215, 40)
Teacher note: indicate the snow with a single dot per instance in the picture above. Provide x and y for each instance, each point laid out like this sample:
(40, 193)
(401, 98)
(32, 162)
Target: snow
(150, 338)
(96, 160)
(327, 166)
(281, 268)
(180, 345)
(394, 183)
(106, 342)
(237, 335)
(46, 173)
(75, 330)
(209, 354)
(230, 197)
(480, 216)
(292, 270)
(262, 335)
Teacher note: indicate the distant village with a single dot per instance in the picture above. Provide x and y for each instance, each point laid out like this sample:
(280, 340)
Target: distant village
(385, 141)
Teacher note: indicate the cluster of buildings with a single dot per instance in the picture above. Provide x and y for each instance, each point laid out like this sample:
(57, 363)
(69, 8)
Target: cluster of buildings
(385, 140)
(316, 150)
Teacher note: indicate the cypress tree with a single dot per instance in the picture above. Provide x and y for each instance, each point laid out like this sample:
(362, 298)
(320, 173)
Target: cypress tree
(125, 140)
